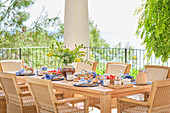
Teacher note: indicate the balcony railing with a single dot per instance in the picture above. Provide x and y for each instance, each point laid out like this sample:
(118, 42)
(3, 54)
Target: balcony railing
(36, 56)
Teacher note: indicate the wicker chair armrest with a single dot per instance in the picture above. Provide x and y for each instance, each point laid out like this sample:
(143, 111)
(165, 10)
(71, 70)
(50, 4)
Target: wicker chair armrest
(146, 96)
(21, 83)
(71, 100)
(23, 86)
(129, 100)
(25, 93)
(58, 93)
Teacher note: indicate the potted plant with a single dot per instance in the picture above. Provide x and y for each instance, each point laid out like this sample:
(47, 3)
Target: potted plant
(65, 56)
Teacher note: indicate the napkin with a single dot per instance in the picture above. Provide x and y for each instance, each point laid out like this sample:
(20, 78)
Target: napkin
(48, 77)
(128, 76)
(82, 81)
(44, 68)
(22, 71)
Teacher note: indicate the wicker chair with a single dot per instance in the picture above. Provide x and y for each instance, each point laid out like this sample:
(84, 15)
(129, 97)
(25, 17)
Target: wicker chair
(11, 65)
(46, 102)
(158, 101)
(2, 102)
(114, 68)
(16, 100)
(81, 65)
(157, 72)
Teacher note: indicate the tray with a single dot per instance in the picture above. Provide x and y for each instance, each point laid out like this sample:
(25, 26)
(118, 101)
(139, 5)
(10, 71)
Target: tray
(120, 86)
(86, 85)
(26, 74)
(148, 83)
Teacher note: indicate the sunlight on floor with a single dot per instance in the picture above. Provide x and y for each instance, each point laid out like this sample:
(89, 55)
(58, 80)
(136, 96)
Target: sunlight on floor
(95, 110)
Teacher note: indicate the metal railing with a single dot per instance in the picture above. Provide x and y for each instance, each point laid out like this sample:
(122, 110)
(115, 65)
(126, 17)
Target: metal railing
(36, 56)
(135, 57)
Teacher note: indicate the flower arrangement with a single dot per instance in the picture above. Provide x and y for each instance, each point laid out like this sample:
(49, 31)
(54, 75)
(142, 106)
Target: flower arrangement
(65, 55)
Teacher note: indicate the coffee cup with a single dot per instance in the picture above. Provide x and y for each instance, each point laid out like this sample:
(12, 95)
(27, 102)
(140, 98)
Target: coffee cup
(106, 82)
(70, 77)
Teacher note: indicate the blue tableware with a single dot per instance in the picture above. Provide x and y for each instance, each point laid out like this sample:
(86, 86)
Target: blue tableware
(86, 85)
(48, 77)
(148, 83)
(128, 76)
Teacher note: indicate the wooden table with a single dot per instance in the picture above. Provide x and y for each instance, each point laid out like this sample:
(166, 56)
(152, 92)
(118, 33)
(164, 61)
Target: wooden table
(103, 93)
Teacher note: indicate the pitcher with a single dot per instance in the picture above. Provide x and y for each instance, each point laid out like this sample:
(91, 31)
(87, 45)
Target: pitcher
(142, 77)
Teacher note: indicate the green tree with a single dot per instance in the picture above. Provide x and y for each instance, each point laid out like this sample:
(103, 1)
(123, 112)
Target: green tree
(13, 15)
(13, 31)
(154, 27)
(95, 38)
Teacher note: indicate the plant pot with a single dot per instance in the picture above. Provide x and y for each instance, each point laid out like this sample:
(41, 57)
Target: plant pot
(67, 69)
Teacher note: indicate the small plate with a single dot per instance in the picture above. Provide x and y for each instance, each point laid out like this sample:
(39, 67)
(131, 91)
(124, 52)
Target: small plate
(39, 75)
(148, 83)
(26, 74)
(86, 85)
(69, 80)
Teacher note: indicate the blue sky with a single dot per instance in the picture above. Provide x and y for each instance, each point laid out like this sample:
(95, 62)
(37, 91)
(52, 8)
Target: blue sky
(114, 18)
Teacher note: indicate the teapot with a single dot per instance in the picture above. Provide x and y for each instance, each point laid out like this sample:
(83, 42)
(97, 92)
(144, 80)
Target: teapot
(142, 77)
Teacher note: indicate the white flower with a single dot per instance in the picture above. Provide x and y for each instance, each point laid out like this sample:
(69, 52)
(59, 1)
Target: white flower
(67, 58)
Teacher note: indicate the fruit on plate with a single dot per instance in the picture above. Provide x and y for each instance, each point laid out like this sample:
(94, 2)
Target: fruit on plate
(110, 77)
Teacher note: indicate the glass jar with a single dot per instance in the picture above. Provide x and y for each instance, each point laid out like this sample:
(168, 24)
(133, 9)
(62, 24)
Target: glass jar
(117, 82)
(126, 81)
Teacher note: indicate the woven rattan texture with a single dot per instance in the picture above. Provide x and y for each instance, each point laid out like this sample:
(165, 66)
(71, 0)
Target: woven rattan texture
(17, 101)
(46, 101)
(158, 101)
(2, 102)
(95, 102)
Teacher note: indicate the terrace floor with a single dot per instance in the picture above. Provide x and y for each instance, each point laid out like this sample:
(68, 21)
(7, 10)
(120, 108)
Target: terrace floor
(95, 110)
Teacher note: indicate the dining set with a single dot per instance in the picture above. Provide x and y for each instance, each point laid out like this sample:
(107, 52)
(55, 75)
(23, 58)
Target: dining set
(32, 94)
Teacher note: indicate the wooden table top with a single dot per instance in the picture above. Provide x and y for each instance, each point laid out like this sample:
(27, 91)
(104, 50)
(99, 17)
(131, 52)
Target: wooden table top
(136, 89)
(104, 90)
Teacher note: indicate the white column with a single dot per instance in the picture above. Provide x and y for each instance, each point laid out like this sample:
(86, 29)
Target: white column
(76, 23)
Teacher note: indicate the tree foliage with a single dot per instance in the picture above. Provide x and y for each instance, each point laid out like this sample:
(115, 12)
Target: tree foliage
(95, 38)
(13, 31)
(13, 15)
(154, 27)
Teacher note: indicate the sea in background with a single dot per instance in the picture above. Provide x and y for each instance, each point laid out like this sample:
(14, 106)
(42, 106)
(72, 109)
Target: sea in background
(114, 38)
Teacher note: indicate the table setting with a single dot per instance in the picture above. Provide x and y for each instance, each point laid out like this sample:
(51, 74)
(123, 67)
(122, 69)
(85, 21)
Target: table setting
(91, 79)
(88, 78)
(25, 72)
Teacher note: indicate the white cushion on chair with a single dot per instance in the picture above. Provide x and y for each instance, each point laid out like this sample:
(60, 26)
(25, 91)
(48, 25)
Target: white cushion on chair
(157, 74)
(11, 65)
(115, 68)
